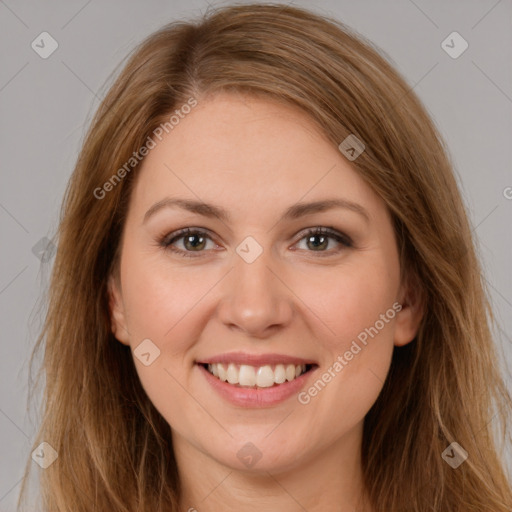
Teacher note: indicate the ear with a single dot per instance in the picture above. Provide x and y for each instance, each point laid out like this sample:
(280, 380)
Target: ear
(409, 317)
(117, 313)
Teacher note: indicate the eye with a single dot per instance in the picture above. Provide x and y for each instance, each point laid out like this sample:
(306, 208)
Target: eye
(194, 240)
(318, 239)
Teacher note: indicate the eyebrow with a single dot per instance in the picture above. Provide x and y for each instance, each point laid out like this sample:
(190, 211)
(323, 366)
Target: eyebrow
(293, 212)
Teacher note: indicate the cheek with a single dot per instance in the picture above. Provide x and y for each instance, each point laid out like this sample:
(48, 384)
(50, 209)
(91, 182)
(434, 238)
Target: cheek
(164, 306)
(159, 298)
(354, 300)
(169, 306)
(358, 308)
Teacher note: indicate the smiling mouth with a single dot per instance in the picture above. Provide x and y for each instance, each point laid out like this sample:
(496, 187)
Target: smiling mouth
(243, 375)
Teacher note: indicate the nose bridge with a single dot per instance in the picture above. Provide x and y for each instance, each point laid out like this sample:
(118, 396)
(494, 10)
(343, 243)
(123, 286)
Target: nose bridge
(254, 299)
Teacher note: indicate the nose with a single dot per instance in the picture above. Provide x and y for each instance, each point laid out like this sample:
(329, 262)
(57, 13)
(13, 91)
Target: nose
(255, 300)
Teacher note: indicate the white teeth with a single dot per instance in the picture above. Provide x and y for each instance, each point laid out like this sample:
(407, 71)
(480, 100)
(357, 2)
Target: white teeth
(250, 376)
(290, 372)
(222, 374)
(280, 373)
(247, 375)
(265, 377)
(232, 374)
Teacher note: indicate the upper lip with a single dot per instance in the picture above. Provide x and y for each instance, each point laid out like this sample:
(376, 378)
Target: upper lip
(254, 359)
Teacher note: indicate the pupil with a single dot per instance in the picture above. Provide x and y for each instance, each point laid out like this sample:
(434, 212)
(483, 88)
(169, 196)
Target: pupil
(318, 236)
(191, 237)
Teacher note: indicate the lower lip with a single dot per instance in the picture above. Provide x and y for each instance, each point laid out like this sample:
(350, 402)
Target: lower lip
(256, 397)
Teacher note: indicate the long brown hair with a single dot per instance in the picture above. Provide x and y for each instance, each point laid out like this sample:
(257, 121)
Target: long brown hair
(114, 448)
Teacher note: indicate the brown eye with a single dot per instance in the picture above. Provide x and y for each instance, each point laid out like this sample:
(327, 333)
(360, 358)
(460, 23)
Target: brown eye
(317, 239)
(194, 241)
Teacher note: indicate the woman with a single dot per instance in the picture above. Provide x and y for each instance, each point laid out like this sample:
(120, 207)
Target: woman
(266, 295)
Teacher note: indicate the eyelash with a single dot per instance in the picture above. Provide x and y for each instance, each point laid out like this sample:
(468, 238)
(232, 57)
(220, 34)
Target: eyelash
(167, 240)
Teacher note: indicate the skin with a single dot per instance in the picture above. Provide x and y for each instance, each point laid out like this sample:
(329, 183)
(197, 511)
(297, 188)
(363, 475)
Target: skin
(255, 158)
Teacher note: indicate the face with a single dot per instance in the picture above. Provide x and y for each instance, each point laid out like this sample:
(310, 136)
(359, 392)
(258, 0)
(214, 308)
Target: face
(251, 285)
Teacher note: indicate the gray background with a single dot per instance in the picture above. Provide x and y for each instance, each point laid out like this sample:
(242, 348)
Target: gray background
(46, 104)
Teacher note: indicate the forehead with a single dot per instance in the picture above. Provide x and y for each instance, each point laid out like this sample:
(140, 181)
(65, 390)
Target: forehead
(247, 153)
